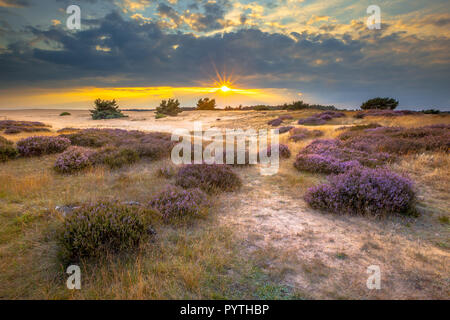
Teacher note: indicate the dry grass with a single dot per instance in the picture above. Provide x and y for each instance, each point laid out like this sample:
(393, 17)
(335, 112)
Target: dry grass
(260, 242)
(327, 256)
(197, 260)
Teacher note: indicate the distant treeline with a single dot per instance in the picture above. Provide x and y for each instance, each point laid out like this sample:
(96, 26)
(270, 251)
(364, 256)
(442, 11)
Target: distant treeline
(138, 110)
(295, 105)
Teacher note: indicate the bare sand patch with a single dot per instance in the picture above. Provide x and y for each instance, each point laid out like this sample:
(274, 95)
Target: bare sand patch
(326, 256)
(136, 120)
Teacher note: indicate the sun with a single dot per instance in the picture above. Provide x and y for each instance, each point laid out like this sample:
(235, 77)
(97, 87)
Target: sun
(224, 88)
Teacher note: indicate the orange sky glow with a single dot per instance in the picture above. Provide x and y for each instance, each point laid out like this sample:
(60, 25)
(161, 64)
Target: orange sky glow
(141, 97)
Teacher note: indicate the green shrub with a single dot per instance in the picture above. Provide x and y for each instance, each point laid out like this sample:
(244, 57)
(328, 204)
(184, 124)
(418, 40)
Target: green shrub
(169, 107)
(431, 111)
(7, 150)
(159, 116)
(106, 109)
(206, 104)
(64, 114)
(95, 229)
(380, 103)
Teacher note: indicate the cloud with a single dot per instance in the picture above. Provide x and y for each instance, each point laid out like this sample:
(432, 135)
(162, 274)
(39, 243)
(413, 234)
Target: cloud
(166, 11)
(134, 5)
(211, 17)
(14, 3)
(330, 62)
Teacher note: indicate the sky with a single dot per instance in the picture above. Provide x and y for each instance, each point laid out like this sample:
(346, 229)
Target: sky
(266, 52)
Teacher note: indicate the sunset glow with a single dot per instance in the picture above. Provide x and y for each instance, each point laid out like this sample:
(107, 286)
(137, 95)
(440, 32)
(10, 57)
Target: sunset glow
(144, 97)
(225, 89)
(224, 49)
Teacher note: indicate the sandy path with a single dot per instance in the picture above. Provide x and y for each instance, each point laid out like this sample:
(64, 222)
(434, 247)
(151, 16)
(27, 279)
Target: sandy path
(326, 256)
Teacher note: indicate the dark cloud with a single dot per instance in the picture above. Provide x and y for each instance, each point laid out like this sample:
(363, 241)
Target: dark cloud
(15, 3)
(212, 16)
(168, 12)
(442, 22)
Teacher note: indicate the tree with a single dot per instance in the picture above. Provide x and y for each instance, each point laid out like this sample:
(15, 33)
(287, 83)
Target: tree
(170, 107)
(380, 103)
(106, 109)
(206, 104)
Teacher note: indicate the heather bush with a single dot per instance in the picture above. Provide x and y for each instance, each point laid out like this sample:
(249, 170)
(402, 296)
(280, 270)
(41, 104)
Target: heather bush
(332, 156)
(67, 129)
(169, 107)
(321, 118)
(398, 140)
(286, 117)
(120, 147)
(106, 109)
(298, 134)
(208, 177)
(364, 191)
(151, 150)
(298, 137)
(384, 113)
(7, 150)
(284, 129)
(153, 147)
(95, 229)
(283, 150)
(312, 121)
(12, 130)
(151, 136)
(13, 126)
(114, 157)
(275, 122)
(40, 145)
(331, 114)
(73, 159)
(93, 138)
(167, 170)
(317, 163)
(359, 127)
(175, 202)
